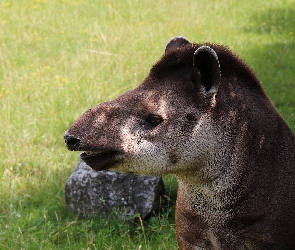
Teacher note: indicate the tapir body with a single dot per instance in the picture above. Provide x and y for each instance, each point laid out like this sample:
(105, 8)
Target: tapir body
(202, 115)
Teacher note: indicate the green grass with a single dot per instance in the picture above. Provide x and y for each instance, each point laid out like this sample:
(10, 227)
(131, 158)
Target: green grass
(60, 57)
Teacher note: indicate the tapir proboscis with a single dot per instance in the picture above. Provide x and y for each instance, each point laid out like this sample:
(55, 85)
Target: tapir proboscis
(202, 115)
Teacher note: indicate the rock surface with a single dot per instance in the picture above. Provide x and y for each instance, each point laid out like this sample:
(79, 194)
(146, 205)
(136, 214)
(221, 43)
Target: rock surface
(89, 192)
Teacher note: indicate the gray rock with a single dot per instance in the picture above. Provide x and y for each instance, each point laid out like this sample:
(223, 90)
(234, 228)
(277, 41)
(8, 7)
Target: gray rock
(89, 192)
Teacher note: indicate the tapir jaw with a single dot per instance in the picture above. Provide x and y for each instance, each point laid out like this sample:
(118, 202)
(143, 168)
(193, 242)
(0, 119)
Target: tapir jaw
(102, 160)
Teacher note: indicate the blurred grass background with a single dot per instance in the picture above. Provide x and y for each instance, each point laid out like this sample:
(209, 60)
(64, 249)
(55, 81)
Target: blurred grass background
(60, 57)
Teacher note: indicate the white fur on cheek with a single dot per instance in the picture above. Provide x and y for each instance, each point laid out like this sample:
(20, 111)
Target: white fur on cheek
(195, 148)
(142, 156)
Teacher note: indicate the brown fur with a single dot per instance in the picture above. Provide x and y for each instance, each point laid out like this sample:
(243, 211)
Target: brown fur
(202, 115)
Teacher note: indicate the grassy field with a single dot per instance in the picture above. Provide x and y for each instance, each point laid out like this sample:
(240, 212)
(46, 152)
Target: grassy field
(60, 57)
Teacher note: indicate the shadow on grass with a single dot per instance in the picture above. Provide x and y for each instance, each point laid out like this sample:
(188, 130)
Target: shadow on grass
(40, 220)
(272, 21)
(274, 59)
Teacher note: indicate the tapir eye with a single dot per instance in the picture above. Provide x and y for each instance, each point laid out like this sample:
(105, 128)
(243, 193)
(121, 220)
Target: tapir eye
(152, 121)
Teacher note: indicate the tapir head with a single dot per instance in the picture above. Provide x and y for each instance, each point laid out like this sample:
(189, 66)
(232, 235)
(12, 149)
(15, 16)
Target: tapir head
(164, 125)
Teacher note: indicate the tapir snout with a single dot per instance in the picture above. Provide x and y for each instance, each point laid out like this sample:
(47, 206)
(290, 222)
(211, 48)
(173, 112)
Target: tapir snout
(100, 159)
(72, 142)
(96, 134)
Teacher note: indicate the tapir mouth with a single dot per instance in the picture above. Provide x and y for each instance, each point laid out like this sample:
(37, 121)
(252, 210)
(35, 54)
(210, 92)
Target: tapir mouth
(101, 160)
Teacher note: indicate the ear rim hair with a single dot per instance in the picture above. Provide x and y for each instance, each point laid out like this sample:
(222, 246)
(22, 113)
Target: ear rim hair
(176, 43)
(207, 68)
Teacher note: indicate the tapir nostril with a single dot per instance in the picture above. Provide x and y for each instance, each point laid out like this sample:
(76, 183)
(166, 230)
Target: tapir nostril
(72, 142)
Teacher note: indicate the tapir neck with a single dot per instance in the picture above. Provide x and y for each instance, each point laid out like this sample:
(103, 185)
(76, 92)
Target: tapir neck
(231, 211)
(206, 202)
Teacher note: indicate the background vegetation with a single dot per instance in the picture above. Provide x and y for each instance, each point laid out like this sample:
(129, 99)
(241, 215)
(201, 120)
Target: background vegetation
(60, 57)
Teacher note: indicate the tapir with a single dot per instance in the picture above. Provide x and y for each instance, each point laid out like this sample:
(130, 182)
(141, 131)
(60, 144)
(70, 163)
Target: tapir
(202, 115)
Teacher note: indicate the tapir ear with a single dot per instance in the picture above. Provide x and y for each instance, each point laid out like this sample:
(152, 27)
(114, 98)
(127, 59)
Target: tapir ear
(176, 42)
(207, 68)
